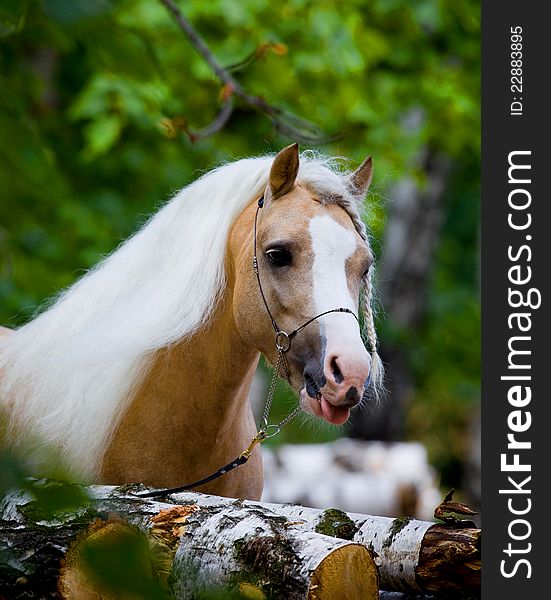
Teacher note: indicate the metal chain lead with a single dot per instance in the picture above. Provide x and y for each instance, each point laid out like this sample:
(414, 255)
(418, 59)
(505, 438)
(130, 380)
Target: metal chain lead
(265, 426)
(271, 390)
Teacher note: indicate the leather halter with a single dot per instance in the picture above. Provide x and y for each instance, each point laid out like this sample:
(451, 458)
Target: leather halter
(282, 344)
(282, 338)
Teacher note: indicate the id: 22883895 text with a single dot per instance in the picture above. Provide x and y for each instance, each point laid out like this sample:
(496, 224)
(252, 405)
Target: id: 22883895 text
(516, 70)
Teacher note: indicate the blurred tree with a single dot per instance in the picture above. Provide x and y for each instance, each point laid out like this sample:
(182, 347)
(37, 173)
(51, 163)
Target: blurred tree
(411, 235)
(100, 100)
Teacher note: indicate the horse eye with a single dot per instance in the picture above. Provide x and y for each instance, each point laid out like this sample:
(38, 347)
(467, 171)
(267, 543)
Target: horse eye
(279, 257)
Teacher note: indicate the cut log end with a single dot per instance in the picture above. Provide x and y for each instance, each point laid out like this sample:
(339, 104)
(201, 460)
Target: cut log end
(348, 573)
(89, 569)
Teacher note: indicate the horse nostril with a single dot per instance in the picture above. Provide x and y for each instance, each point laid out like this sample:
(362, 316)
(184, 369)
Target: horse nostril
(337, 374)
(352, 396)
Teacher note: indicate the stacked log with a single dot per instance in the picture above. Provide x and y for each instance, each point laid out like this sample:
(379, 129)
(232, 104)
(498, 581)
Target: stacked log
(189, 545)
(364, 477)
(412, 556)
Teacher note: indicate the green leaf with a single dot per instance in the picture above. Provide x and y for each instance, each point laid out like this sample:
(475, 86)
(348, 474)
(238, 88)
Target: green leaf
(56, 497)
(13, 14)
(101, 135)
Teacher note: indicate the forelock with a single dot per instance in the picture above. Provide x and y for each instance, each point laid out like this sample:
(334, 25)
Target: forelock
(329, 181)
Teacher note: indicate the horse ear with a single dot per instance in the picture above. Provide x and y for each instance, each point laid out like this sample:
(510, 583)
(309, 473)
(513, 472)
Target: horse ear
(361, 178)
(284, 171)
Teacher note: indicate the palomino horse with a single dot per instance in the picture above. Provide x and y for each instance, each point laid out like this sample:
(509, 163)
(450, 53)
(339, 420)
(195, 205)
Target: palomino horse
(140, 371)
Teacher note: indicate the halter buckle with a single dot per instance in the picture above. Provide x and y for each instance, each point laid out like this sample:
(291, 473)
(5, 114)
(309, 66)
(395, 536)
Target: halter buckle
(282, 341)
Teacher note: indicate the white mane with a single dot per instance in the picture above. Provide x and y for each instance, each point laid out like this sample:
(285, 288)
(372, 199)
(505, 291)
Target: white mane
(67, 376)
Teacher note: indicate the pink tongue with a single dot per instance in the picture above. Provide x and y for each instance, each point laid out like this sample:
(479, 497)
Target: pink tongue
(334, 414)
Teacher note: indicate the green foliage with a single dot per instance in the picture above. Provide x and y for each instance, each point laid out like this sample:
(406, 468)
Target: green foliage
(121, 564)
(52, 499)
(97, 94)
(446, 356)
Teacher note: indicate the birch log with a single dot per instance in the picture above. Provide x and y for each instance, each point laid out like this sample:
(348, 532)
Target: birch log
(257, 549)
(412, 556)
(176, 549)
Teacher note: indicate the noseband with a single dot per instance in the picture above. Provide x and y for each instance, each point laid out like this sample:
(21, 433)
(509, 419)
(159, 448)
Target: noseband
(282, 344)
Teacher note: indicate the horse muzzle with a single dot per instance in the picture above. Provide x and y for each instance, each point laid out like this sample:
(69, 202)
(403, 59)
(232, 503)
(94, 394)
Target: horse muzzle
(332, 391)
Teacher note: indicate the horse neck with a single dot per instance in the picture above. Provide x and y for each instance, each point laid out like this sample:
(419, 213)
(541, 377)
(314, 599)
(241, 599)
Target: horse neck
(190, 412)
(216, 361)
(207, 375)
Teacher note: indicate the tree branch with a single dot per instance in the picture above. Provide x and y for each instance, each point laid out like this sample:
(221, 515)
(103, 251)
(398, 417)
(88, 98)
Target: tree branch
(215, 125)
(296, 128)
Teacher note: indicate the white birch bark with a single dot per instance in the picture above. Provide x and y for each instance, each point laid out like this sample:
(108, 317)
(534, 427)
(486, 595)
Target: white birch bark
(396, 543)
(199, 544)
(250, 546)
(412, 556)
(259, 550)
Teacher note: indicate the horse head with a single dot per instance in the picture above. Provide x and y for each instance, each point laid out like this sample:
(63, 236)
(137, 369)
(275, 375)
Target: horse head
(312, 263)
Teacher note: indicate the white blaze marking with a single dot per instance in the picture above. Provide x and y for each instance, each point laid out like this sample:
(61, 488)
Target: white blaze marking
(332, 245)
